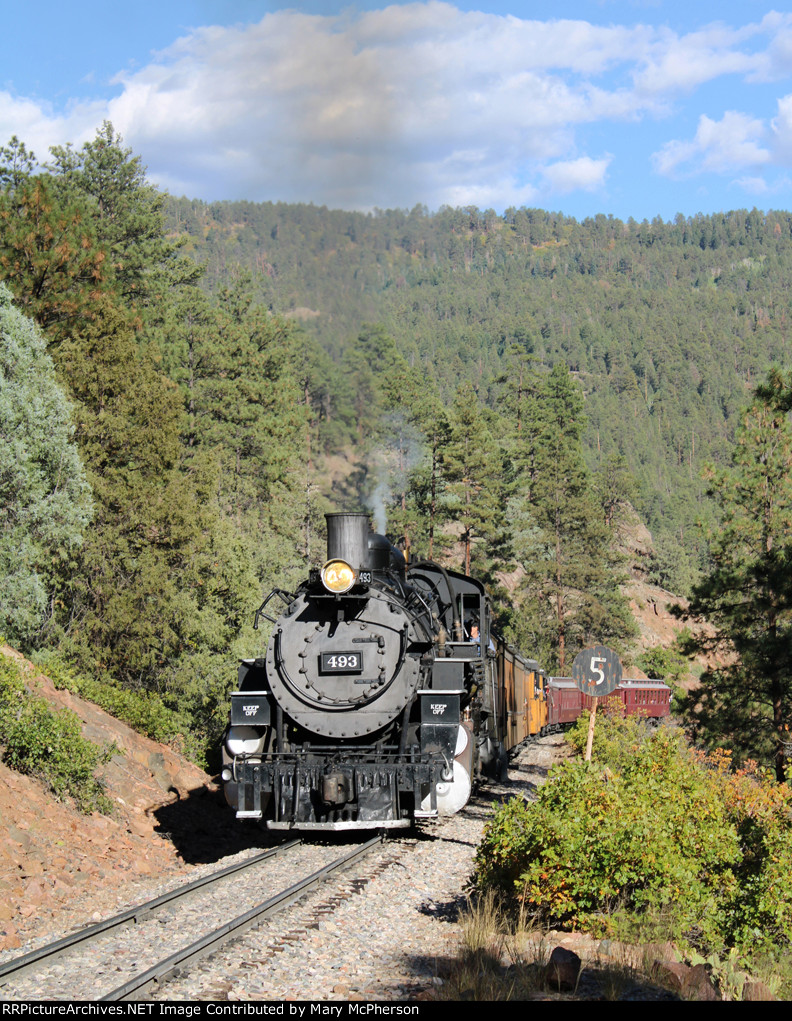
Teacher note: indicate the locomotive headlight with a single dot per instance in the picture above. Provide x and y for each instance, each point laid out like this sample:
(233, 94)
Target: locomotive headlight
(338, 576)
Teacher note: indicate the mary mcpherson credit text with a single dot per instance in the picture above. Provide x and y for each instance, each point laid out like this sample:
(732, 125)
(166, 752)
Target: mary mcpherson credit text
(296, 1011)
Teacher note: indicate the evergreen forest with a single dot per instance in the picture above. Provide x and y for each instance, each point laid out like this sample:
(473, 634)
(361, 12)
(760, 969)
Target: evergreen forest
(666, 327)
(186, 388)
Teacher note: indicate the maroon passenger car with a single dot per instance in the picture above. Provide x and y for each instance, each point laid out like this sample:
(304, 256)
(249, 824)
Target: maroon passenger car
(565, 701)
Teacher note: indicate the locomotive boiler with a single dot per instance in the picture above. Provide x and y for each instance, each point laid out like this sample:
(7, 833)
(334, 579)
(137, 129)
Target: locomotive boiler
(375, 703)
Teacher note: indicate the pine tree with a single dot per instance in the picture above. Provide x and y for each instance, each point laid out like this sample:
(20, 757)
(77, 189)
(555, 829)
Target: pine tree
(161, 577)
(236, 365)
(254, 411)
(473, 472)
(746, 595)
(615, 487)
(127, 212)
(426, 511)
(571, 595)
(51, 257)
(17, 163)
(518, 385)
(162, 584)
(44, 493)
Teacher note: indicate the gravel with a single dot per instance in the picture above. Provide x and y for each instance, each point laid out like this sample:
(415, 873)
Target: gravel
(381, 932)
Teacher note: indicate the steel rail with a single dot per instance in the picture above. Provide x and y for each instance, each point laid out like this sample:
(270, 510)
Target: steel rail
(19, 966)
(172, 966)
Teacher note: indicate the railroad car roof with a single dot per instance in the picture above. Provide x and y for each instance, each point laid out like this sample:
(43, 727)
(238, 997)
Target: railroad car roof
(626, 682)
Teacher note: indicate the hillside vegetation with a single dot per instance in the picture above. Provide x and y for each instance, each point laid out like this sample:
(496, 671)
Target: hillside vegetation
(667, 326)
(503, 388)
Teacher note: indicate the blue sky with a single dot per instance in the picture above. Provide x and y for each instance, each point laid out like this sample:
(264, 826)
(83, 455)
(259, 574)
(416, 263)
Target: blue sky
(631, 107)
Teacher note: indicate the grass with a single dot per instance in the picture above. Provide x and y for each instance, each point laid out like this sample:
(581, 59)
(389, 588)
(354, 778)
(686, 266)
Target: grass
(504, 957)
(490, 965)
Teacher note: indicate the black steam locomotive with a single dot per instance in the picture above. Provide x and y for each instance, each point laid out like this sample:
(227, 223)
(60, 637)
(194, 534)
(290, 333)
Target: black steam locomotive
(375, 703)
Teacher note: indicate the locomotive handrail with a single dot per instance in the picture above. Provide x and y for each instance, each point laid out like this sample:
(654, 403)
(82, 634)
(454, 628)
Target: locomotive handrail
(457, 624)
(287, 597)
(441, 606)
(414, 593)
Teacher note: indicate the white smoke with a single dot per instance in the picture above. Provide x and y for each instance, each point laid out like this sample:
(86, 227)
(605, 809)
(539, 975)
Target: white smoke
(378, 504)
(391, 463)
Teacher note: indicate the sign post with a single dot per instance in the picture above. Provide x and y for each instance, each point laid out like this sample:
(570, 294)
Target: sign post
(596, 672)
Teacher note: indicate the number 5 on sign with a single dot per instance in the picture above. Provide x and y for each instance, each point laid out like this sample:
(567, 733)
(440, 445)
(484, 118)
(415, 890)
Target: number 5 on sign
(596, 672)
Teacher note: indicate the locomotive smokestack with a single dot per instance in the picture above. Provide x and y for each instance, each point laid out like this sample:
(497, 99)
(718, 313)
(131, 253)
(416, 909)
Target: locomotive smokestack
(347, 538)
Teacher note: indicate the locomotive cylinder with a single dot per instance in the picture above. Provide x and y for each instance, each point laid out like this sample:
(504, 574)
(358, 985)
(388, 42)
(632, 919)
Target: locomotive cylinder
(347, 538)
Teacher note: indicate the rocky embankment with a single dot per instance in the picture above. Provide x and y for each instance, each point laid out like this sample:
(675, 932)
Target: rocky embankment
(59, 867)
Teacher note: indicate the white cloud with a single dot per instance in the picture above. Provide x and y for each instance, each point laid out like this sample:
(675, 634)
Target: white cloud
(775, 62)
(583, 174)
(753, 185)
(419, 102)
(677, 64)
(39, 127)
(781, 127)
(738, 142)
(724, 146)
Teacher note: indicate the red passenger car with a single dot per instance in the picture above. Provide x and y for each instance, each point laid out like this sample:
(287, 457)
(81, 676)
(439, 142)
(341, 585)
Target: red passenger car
(565, 701)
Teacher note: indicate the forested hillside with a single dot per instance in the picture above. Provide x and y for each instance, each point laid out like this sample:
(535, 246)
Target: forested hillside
(172, 477)
(496, 389)
(667, 326)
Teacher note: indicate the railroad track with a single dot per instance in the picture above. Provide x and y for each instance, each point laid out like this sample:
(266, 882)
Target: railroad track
(85, 943)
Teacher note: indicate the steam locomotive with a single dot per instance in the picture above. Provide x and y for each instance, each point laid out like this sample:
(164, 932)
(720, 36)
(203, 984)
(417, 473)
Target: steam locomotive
(381, 697)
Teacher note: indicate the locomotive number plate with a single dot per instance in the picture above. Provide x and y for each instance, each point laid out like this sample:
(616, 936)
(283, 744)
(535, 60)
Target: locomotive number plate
(341, 663)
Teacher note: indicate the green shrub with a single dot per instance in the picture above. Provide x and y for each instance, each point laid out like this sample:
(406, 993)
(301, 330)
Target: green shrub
(617, 738)
(650, 840)
(46, 742)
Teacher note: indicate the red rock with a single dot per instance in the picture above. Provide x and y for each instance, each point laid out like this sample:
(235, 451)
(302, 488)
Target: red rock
(691, 983)
(35, 891)
(47, 841)
(140, 827)
(756, 990)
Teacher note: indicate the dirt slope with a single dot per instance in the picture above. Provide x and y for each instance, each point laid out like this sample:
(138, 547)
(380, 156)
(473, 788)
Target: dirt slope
(168, 814)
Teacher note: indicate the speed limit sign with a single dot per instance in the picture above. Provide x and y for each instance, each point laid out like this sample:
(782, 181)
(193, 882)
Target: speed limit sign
(597, 671)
